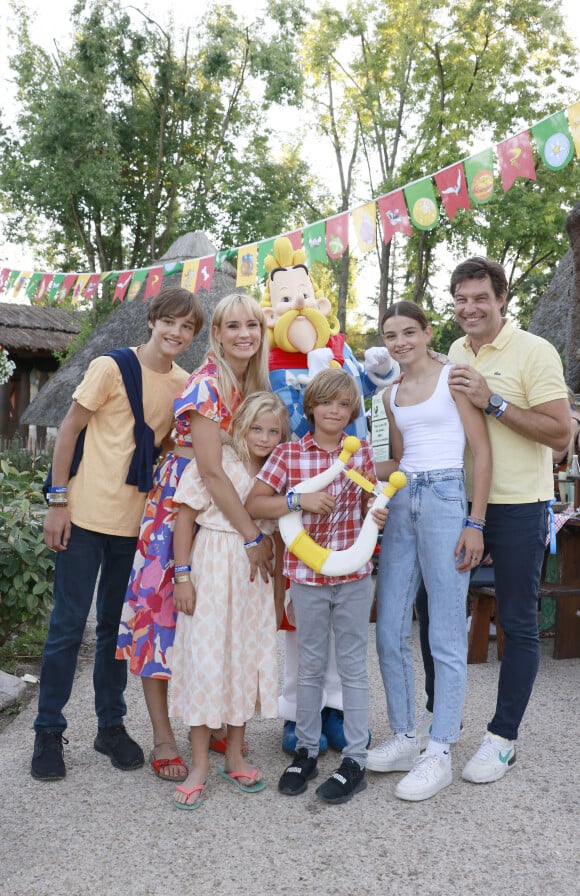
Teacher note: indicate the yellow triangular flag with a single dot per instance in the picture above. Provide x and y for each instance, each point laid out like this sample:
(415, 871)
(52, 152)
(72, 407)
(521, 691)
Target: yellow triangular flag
(247, 265)
(573, 113)
(189, 274)
(365, 226)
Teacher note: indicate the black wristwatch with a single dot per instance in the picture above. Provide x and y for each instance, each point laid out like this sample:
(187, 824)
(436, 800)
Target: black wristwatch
(496, 406)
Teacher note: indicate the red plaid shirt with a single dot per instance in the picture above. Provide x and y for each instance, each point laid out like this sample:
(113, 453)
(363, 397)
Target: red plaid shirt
(293, 462)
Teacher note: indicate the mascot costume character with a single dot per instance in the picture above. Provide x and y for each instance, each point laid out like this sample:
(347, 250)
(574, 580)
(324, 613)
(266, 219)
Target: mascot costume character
(304, 338)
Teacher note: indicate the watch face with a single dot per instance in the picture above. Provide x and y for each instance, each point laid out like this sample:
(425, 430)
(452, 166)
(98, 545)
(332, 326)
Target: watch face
(495, 401)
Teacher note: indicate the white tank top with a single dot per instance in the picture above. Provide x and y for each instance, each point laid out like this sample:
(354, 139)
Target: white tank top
(432, 431)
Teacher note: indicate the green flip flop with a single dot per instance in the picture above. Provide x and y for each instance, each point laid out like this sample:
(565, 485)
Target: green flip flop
(247, 788)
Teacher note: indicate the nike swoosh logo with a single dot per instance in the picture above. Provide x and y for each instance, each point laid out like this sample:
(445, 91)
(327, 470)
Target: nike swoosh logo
(503, 757)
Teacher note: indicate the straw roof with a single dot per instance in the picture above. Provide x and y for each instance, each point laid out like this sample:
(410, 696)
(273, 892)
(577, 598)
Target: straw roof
(26, 329)
(127, 325)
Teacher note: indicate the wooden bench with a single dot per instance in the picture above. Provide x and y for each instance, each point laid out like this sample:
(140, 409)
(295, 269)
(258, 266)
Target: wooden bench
(482, 603)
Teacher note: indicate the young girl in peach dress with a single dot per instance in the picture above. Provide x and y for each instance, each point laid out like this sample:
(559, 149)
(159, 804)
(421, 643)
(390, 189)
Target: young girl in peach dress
(224, 654)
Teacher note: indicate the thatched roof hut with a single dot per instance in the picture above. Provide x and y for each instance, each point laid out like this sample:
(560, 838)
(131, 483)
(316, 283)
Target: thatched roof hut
(127, 325)
(27, 330)
(557, 315)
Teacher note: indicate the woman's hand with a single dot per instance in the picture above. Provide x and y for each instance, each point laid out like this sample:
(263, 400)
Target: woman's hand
(471, 542)
(184, 597)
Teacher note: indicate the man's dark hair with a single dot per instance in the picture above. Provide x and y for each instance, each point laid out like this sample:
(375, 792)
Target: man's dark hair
(476, 268)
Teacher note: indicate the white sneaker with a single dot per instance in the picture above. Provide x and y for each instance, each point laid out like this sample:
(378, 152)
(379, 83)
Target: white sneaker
(430, 774)
(394, 755)
(424, 725)
(493, 759)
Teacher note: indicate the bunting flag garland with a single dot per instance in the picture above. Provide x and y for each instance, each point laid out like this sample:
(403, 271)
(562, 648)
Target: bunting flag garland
(21, 282)
(205, 273)
(365, 226)
(414, 205)
(315, 243)
(554, 141)
(422, 204)
(137, 280)
(515, 159)
(393, 215)
(247, 264)
(122, 286)
(154, 283)
(573, 115)
(337, 235)
(189, 274)
(452, 187)
(45, 281)
(479, 174)
(33, 285)
(265, 248)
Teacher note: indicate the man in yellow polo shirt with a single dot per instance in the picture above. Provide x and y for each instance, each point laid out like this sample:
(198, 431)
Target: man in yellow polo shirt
(516, 379)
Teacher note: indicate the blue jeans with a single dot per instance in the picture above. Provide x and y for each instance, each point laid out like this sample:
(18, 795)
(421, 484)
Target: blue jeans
(346, 608)
(76, 572)
(515, 537)
(425, 521)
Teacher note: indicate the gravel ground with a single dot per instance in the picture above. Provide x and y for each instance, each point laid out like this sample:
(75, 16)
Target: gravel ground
(101, 831)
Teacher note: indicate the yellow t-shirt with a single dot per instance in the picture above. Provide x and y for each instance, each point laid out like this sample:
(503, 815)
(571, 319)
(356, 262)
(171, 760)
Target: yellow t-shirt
(525, 370)
(99, 498)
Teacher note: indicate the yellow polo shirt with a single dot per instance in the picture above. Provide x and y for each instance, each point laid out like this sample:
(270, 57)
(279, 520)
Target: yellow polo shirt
(99, 498)
(525, 370)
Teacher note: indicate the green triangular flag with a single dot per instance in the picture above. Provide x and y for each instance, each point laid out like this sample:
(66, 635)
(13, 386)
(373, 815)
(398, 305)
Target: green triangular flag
(422, 204)
(314, 236)
(479, 176)
(554, 141)
(265, 248)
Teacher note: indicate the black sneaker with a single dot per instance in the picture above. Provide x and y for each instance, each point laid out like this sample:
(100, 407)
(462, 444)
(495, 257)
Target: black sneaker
(48, 756)
(121, 749)
(300, 771)
(343, 783)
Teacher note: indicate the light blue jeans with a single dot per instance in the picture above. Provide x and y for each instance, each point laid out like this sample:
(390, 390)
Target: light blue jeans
(424, 524)
(345, 608)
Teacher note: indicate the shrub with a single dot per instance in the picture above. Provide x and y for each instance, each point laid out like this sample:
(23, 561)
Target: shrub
(26, 564)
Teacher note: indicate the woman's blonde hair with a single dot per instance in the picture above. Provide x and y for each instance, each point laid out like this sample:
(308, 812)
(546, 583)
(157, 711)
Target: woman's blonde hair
(326, 386)
(251, 408)
(256, 379)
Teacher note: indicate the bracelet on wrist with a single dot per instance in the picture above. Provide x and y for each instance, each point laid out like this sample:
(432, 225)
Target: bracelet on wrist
(476, 519)
(293, 500)
(184, 568)
(58, 490)
(181, 578)
(472, 525)
(255, 542)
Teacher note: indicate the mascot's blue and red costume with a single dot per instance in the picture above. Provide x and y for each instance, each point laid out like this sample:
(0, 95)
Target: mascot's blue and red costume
(304, 338)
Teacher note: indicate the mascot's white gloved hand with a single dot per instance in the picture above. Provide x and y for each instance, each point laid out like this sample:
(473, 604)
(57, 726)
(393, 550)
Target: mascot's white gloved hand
(379, 366)
(318, 359)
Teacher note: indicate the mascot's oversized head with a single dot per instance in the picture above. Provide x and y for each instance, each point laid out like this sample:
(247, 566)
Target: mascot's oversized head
(299, 319)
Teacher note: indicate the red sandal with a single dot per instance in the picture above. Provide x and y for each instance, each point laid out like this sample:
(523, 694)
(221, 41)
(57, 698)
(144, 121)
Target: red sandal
(158, 766)
(219, 745)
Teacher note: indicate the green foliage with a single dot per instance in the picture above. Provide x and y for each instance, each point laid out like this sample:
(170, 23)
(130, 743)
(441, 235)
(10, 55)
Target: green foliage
(26, 564)
(23, 649)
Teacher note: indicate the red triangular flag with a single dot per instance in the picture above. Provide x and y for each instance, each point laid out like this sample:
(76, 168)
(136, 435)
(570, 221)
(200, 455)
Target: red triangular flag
(295, 238)
(66, 286)
(516, 159)
(337, 235)
(91, 286)
(154, 283)
(393, 215)
(45, 282)
(4, 274)
(452, 187)
(205, 273)
(122, 286)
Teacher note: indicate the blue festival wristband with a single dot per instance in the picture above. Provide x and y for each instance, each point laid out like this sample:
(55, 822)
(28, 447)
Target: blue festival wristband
(255, 542)
(473, 525)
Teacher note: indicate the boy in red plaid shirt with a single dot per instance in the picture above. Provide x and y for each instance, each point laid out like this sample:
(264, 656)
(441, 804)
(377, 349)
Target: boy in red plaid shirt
(331, 402)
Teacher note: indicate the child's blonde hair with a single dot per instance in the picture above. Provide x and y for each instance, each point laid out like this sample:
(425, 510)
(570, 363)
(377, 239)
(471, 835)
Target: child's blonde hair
(326, 386)
(248, 411)
(257, 373)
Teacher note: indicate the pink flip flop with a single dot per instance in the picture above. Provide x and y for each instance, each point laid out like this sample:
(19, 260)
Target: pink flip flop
(254, 787)
(199, 788)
